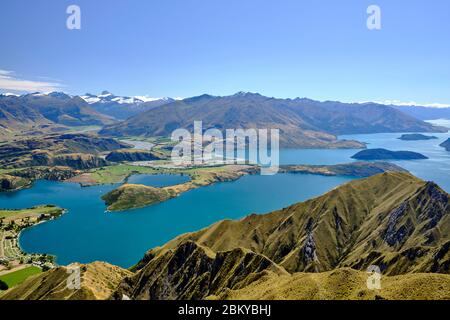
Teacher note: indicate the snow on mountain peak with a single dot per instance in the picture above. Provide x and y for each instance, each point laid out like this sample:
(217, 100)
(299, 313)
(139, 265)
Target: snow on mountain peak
(107, 96)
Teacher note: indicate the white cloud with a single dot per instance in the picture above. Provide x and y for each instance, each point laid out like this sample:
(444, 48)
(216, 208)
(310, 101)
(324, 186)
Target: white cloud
(9, 81)
(410, 103)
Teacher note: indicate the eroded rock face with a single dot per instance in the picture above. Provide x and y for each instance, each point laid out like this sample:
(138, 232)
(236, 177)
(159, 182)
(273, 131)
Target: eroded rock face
(132, 155)
(11, 183)
(46, 150)
(193, 272)
(79, 161)
(394, 233)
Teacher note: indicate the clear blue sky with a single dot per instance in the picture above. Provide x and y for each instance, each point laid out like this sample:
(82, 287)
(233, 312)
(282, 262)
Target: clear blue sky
(180, 48)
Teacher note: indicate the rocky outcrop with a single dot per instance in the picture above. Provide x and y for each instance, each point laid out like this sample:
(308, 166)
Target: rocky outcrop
(55, 173)
(132, 155)
(12, 183)
(79, 161)
(24, 177)
(39, 151)
(191, 271)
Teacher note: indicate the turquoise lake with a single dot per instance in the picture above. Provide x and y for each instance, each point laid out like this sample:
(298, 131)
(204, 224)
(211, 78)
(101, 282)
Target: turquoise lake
(86, 233)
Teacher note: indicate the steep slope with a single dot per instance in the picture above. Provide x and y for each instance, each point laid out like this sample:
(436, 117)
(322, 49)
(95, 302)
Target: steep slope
(393, 220)
(133, 155)
(98, 280)
(193, 272)
(64, 109)
(302, 122)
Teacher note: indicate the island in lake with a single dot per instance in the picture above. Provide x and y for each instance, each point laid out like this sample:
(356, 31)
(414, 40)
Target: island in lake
(416, 137)
(384, 154)
(446, 144)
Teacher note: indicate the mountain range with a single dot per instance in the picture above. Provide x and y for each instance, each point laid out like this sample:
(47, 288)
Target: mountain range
(425, 113)
(52, 112)
(302, 122)
(316, 249)
(123, 107)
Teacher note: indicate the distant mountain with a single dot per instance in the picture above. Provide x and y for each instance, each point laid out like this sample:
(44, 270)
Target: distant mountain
(302, 122)
(39, 111)
(425, 113)
(123, 107)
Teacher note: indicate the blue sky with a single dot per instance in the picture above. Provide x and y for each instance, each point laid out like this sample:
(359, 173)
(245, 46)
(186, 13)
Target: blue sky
(180, 48)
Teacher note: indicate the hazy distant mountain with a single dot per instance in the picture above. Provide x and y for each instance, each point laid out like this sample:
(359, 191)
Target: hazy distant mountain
(302, 122)
(123, 107)
(425, 113)
(39, 110)
(16, 116)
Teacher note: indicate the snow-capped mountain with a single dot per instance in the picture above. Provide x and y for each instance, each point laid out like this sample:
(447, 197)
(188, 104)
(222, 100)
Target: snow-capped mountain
(123, 107)
(106, 97)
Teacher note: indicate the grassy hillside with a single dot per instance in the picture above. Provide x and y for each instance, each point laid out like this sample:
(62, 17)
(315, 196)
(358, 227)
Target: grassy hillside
(130, 196)
(343, 284)
(393, 220)
(98, 280)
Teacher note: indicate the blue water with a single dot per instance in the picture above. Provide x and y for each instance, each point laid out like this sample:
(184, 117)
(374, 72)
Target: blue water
(436, 168)
(86, 233)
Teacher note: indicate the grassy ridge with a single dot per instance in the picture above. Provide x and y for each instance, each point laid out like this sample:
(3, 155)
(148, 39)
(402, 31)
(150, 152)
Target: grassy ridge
(343, 284)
